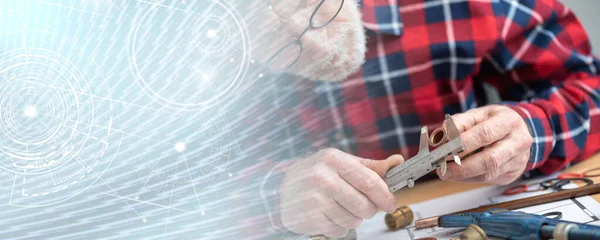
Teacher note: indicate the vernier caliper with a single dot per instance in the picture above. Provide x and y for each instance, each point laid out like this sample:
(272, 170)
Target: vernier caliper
(425, 161)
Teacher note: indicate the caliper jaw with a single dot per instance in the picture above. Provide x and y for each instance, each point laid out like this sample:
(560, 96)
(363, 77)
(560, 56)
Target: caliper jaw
(425, 161)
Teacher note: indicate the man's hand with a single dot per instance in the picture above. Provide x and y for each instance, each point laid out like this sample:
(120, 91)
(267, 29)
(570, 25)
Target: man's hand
(504, 140)
(331, 192)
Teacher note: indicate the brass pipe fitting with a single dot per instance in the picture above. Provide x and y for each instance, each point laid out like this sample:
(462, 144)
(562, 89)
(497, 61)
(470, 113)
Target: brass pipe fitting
(438, 137)
(402, 217)
(473, 232)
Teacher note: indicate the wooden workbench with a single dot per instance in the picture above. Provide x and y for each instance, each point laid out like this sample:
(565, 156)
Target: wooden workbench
(438, 188)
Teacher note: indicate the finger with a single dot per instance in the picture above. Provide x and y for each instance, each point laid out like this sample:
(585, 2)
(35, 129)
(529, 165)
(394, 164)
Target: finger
(382, 166)
(490, 159)
(353, 201)
(520, 163)
(362, 178)
(485, 133)
(370, 184)
(469, 119)
(328, 228)
(500, 176)
(340, 215)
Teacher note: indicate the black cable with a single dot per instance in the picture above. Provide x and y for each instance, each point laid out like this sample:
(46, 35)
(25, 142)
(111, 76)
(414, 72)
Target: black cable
(558, 186)
(549, 183)
(557, 215)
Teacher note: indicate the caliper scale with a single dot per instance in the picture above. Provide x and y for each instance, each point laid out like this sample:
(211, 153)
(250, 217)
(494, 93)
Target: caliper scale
(426, 161)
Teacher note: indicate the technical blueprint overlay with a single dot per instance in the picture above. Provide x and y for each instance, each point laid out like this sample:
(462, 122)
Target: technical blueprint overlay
(115, 117)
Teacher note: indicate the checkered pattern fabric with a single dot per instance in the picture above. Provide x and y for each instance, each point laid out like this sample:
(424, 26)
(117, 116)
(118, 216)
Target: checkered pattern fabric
(430, 58)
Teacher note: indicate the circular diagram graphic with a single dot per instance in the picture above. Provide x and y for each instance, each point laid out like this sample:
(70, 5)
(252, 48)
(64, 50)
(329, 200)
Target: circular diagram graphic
(55, 131)
(189, 59)
(43, 121)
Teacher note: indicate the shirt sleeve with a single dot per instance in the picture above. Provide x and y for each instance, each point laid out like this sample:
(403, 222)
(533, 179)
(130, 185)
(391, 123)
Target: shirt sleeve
(543, 66)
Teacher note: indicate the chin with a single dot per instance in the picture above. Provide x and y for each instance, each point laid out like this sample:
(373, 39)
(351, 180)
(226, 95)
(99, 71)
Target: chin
(344, 51)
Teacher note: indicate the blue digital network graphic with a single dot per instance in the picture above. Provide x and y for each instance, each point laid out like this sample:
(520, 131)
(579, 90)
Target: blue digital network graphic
(189, 60)
(111, 116)
(56, 138)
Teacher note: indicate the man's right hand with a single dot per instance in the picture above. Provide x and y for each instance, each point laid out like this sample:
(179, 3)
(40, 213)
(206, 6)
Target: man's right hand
(331, 192)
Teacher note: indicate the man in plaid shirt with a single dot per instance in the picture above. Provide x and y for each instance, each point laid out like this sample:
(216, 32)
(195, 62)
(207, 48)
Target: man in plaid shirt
(417, 61)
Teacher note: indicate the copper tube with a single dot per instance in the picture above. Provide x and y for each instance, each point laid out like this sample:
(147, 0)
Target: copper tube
(402, 217)
(520, 203)
(427, 223)
(438, 137)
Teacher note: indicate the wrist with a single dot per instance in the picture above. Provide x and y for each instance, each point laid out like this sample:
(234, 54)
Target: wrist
(542, 133)
(270, 195)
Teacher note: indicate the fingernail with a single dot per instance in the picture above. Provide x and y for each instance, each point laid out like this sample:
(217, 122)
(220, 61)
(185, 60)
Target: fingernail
(446, 176)
(395, 156)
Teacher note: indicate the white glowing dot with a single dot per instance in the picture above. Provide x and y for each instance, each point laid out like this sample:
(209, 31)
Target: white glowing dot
(260, 75)
(211, 33)
(252, 61)
(205, 77)
(137, 197)
(231, 60)
(230, 175)
(30, 111)
(144, 220)
(203, 213)
(270, 7)
(180, 147)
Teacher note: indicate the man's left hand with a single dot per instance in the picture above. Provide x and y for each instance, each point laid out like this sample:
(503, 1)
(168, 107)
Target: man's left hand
(504, 140)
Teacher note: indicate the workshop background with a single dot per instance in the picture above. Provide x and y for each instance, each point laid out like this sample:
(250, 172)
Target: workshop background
(587, 11)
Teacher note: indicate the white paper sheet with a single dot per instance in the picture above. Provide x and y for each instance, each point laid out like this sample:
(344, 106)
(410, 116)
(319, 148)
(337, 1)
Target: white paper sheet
(583, 209)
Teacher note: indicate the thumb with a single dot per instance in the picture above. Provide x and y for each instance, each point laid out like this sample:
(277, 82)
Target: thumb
(382, 166)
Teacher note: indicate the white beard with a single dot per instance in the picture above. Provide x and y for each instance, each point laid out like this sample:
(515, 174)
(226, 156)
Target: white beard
(331, 53)
(345, 46)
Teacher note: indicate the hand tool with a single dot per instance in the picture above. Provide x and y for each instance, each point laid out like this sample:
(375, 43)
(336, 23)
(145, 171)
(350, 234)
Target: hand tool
(564, 176)
(522, 188)
(425, 161)
(520, 203)
(521, 226)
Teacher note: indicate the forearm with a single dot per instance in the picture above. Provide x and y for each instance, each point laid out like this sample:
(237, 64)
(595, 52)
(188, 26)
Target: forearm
(564, 122)
(548, 64)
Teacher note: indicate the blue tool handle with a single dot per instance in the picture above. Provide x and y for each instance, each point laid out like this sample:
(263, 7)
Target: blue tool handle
(576, 234)
(458, 220)
(512, 225)
(509, 225)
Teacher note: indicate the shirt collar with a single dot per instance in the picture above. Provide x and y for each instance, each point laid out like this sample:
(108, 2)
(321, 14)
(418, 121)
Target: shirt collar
(381, 16)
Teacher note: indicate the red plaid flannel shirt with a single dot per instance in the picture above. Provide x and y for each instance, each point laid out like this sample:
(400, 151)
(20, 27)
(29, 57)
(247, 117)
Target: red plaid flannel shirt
(430, 58)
